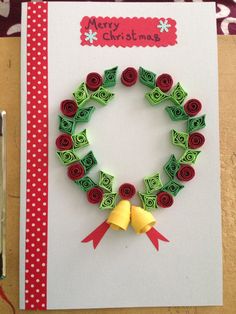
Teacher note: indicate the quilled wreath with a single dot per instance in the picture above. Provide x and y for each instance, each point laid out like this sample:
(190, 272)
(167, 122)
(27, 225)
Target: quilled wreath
(156, 193)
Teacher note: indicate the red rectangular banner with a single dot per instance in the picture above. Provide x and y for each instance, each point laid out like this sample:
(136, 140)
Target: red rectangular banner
(128, 32)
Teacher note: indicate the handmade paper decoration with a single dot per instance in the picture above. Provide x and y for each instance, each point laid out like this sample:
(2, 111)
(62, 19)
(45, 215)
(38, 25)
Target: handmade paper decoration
(106, 181)
(64, 142)
(88, 161)
(176, 113)
(180, 138)
(185, 173)
(109, 79)
(119, 218)
(164, 199)
(196, 140)
(171, 167)
(164, 82)
(156, 96)
(195, 124)
(149, 202)
(129, 76)
(80, 139)
(127, 191)
(95, 195)
(147, 78)
(84, 114)
(172, 187)
(67, 156)
(108, 201)
(81, 95)
(153, 183)
(178, 95)
(102, 96)
(76, 171)
(192, 107)
(66, 125)
(85, 184)
(156, 194)
(189, 156)
(93, 81)
(68, 107)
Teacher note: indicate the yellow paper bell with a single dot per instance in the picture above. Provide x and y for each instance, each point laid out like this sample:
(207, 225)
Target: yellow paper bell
(119, 218)
(141, 220)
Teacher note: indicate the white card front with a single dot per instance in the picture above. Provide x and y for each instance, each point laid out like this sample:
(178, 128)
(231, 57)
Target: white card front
(130, 140)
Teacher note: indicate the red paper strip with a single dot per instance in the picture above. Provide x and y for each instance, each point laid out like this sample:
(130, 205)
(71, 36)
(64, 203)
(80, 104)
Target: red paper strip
(37, 158)
(97, 234)
(128, 32)
(4, 297)
(154, 236)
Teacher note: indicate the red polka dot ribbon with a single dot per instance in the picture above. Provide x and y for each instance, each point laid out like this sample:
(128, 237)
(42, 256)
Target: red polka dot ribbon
(37, 158)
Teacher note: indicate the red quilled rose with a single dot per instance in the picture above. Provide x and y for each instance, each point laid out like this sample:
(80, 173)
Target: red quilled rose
(93, 81)
(64, 142)
(95, 195)
(75, 171)
(192, 107)
(164, 199)
(129, 76)
(185, 173)
(164, 82)
(196, 140)
(127, 191)
(69, 107)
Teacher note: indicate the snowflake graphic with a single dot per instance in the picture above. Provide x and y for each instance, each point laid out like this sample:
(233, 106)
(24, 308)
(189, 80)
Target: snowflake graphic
(164, 26)
(90, 36)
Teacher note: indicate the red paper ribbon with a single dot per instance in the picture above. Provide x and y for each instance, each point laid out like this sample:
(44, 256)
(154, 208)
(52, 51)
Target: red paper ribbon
(154, 236)
(97, 234)
(4, 297)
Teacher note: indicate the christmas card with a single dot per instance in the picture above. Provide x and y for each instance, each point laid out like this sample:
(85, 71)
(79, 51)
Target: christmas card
(120, 173)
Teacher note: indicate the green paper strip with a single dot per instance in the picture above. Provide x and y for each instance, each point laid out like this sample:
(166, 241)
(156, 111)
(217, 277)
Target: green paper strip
(89, 161)
(108, 201)
(80, 139)
(152, 183)
(178, 95)
(84, 114)
(66, 125)
(171, 167)
(67, 157)
(81, 95)
(147, 78)
(106, 181)
(189, 156)
(109, 79)
(176, 113)
(85, 184)
(149, 202)
(179, 138)
(102, 96)
(156, 96)
(172, 187)
(194, 124)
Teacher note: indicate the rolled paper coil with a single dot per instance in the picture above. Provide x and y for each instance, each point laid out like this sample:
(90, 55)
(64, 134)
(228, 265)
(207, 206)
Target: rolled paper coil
(164, 82)
(178, 95)
(192, 107)
(93, 81)
(68, 107)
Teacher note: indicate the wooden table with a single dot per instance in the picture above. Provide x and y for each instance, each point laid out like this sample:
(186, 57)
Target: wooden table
(10, 101)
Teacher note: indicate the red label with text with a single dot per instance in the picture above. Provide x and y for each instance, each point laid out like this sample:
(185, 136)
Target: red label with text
(128, 32)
